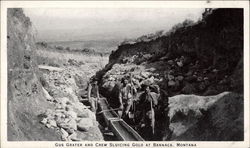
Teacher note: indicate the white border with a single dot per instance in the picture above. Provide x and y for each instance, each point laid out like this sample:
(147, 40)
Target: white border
(120, 4)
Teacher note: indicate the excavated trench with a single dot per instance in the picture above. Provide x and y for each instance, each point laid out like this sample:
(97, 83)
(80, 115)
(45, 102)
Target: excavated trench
(111, 125)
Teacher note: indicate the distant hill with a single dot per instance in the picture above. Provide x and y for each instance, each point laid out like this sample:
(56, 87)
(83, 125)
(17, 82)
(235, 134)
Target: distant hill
(104, 46)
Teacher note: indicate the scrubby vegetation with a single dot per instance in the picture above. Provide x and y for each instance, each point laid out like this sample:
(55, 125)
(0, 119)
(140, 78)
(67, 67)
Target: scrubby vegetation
(86, 51)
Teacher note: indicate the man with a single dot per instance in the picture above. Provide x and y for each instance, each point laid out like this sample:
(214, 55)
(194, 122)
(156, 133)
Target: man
(93, 89)
(148, 103)
(125, 97)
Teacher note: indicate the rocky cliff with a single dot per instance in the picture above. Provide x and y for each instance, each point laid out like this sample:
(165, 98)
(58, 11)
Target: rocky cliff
(44, 101)
(25, 98)
(204, 58)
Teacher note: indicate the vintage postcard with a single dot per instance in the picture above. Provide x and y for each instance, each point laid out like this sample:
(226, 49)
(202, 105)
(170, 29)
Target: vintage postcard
(124, 74)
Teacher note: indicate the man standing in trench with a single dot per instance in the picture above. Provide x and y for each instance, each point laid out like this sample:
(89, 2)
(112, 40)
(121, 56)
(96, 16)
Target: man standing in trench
(125, 97)
(148, 102)
(93, 100)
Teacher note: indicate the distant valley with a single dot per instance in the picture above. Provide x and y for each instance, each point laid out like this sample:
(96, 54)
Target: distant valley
(103, 46)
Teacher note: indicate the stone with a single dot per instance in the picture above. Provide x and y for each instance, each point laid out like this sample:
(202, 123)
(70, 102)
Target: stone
(48, 125)
(74, 137)
(171, 83)
(215, 70)
(49, 114)
(170, 77)
(60, 106)
(52, 123)
(189, 73)
(180, 78)
(148, 81)
(44, 121)
(199, 79)
(71, 114)
(170, 62)
(84, 124)
(47, 95)
(68, 124)
(63, 100)
(82, 115)
(64, 134)
(59, 115)
(145, 74)
(224, 111)
(90, 114)
(138, 77)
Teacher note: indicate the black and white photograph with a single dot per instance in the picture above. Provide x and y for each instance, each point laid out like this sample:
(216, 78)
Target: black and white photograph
(146, 74)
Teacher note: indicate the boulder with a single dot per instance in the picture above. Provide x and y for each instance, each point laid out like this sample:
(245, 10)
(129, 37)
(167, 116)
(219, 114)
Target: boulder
(52, 123)
(213, 118)
(64, 134)
(84, 124)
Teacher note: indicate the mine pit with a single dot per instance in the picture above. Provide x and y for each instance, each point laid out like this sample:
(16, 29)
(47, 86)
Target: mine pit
(185, 84)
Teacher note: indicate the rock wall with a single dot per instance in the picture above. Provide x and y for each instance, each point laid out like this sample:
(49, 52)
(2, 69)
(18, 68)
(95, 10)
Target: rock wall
(25, 97)
(205, 58)
(44, 101)
(210, 49)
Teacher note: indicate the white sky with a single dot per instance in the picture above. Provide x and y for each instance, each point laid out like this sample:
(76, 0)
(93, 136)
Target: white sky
(123, 22)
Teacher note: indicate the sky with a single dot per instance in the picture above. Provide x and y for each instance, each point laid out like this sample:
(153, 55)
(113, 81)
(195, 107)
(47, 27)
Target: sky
(60, 24)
